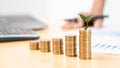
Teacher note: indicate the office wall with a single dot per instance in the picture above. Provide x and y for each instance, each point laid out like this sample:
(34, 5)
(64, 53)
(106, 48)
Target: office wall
(53, 9)
(34, 7)
(58, 9)
(113, 10)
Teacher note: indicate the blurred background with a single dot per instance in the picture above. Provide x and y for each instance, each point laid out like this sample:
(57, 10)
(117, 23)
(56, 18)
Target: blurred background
(58, 9)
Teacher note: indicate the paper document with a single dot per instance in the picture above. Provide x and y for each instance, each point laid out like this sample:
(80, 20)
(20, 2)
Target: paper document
(105, 48)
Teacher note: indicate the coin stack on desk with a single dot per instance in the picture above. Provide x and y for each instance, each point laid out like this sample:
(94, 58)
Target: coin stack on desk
(70, 44)
(45, 46)
(34, 45)
(85, 44)
(57, 45)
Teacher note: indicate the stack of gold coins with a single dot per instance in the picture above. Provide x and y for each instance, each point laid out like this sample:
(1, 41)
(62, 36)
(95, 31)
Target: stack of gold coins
(70, 44)
(34, 45)
(85, 44)
(57, 45)
(45, 46)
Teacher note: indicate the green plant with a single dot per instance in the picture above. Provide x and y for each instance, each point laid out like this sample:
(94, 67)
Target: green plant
(86, 20)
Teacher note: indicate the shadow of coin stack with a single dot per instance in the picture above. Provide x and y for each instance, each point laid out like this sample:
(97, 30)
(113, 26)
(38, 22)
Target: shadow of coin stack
(57, 45)
(34, 45)
(70, 44)
(85, 44)
(45, 46)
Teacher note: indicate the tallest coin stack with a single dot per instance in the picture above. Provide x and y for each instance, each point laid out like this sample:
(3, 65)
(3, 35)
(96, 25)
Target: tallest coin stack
(85, 44)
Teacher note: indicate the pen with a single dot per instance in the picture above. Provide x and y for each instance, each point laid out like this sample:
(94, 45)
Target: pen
(91, 22)
(96, 17)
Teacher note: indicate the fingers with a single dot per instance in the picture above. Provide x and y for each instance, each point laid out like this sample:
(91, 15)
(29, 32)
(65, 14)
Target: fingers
(80, 22)
(98, 23)
(68, 25)
(73, 24)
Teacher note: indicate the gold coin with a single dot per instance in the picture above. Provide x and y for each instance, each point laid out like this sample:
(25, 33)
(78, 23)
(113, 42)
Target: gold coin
(70, 37)
(34, 45)
(57, 45)
(45, 46)
(85, 44)
(70, 45)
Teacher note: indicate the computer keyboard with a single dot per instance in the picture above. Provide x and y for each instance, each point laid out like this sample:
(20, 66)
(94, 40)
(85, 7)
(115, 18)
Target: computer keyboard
(15, 34)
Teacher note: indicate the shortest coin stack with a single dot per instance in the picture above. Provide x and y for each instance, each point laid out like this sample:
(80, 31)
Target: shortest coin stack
(34, 45)
(70, 43)
(57, 45)
(45, 46)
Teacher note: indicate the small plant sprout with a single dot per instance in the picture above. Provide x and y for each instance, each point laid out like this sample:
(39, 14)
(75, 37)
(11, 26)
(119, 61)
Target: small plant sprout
(86, 20)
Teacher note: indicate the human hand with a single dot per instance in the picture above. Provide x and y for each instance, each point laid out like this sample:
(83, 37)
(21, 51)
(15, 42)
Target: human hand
(79, 23)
